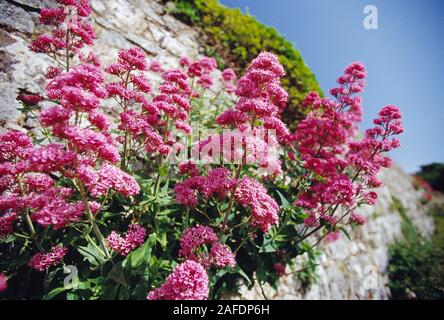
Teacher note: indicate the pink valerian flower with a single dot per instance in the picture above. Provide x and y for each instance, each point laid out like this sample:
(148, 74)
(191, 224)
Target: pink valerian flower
(141, 83)
(53, 16)
(357, 219)
(365, 155)
(108, 177)
(326, 144)
(89, 141)
(52, 157)
(99, 120)
(193, 238)
(188, 168)
(257, 146)
(322, 135)
(279, 268)
(14, 146)
(187, 191)
(221, 255)
(52, 72)
(3, 282)
(311, 221)
(55, 115)
(42, 261)
(36, 182)
(208, 64)
(152, 125)
(260, 95)
(184, 61)
(91, 58)
(264, 209)
(128, 60)
(232, 118)
(7, 223)
(191, 248)
(188, 281)
(155, 66)
(47, 44)
(274, 123)
(79, 90)
(134, 237)
(58, 213)
(195, 69)
(218, 182)
(76, 26)
(228, 75)
(52, 208)
(30, 99)
(205, 81)
(323, 195)
(333, 236)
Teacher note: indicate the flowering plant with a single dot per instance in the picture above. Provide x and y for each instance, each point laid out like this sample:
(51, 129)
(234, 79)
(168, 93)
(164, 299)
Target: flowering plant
(197, 184)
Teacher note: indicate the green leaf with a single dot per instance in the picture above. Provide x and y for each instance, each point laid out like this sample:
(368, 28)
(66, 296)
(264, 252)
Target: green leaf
(116, 274)
(269, 244)
(53, 293)
(345, 233)
(91, 253)
(143, 253)
(284, 202)
(237, 269)
(164, 169)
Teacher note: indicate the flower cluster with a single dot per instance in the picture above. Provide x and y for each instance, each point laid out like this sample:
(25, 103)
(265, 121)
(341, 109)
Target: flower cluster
(151, 125)
(134, 237)
(106, 178)
(71, 30)
(342, 170)
(25, 184)
(194, 238)
(42, 261)
(260, 95)
(229, 79)
(200, 70)
(217, 182)
(52, 184)
(264, 209)
(3, 282)
(279, 268)
(188, 281)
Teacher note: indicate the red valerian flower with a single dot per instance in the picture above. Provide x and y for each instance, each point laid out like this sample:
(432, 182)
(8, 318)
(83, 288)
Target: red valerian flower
(134, 237)
(42, 261)
(188, 281)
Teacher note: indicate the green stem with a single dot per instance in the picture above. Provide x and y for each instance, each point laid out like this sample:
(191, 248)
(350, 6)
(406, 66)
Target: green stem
(25, 212)
(231, 203)
(91, 220)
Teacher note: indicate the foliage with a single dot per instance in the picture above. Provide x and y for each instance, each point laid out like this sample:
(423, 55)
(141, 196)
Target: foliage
(415, 267)
(240, 37)
(434, 174)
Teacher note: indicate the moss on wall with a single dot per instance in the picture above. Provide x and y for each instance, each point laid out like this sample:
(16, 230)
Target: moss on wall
(235, 38)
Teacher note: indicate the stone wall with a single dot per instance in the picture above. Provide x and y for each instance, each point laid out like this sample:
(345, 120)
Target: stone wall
(356, 268)
(118, 24)
(353, 269)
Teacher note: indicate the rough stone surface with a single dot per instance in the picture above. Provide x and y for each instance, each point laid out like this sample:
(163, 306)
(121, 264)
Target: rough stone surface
(356, 269)
(118, 24)
(348, 269)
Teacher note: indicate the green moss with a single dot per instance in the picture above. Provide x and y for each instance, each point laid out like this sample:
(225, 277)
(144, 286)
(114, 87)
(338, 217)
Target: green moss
(239, 37)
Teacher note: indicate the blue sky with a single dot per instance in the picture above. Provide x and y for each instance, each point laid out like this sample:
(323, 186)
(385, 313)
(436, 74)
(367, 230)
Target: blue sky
(403, 58)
